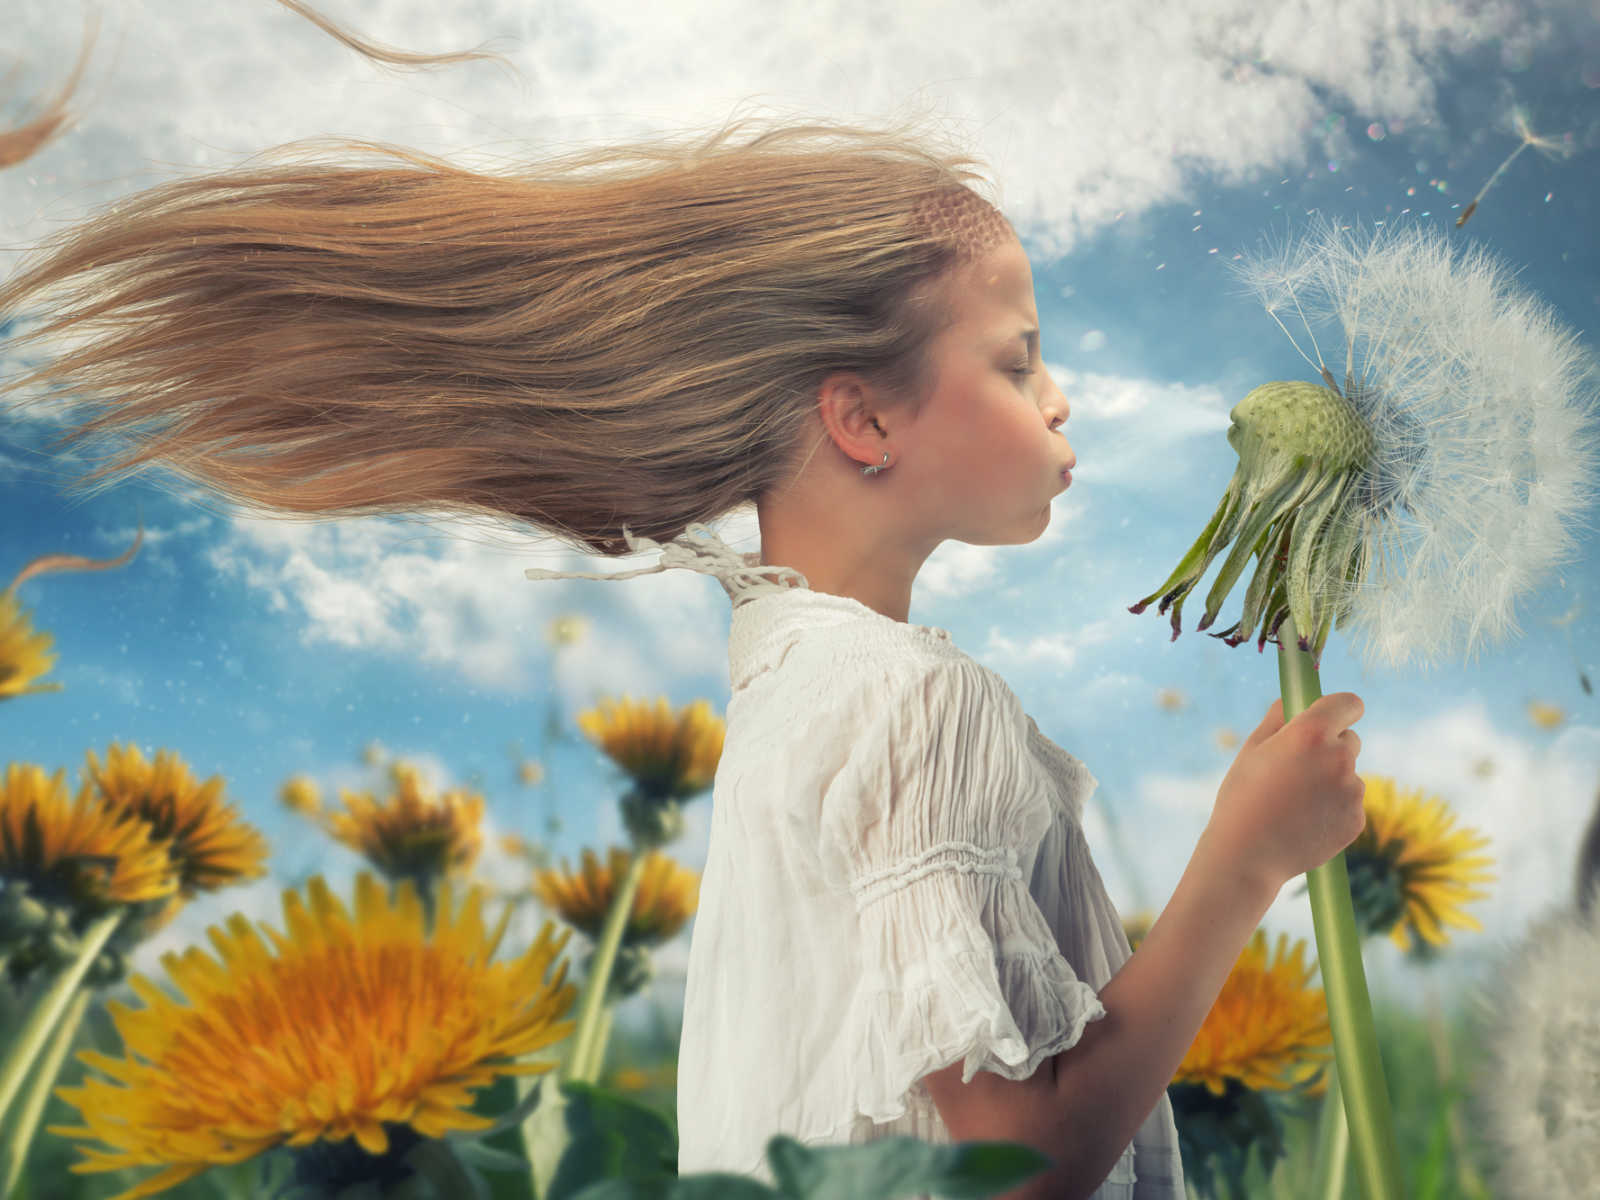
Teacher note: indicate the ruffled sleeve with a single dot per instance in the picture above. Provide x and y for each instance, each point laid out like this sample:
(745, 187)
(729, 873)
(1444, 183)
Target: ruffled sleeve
(932, 826)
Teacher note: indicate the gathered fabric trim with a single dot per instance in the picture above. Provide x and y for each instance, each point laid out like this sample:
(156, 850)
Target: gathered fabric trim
(1036, 987)
(964, 857)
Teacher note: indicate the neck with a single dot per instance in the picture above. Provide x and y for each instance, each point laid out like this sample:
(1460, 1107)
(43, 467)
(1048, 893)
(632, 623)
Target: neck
(840, 549)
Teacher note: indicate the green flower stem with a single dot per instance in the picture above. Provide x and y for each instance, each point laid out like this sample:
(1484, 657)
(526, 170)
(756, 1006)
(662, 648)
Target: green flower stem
(19, 1134)
(1333, 1142)
(605, 956)
(1344, 979)
(48, 1011)
(597, 1045)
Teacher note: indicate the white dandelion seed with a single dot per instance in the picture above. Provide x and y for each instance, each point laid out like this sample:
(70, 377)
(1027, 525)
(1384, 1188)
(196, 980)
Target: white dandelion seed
(1434, 475)
(1537, 1093)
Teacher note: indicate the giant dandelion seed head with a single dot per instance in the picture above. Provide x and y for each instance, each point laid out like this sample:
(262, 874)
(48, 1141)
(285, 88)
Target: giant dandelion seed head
(1429, 475)
(349, 1037)
(1537, 1092)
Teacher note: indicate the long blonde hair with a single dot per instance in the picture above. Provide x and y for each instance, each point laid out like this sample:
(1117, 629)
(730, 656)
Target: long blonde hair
(631, 335)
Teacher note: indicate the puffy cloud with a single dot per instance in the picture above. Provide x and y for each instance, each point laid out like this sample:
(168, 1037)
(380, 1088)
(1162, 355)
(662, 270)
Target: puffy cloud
(459, 604)
(1083, 112)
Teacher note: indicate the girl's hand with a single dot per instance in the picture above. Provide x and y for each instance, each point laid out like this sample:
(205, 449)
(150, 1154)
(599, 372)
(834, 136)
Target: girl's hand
(1292, 799)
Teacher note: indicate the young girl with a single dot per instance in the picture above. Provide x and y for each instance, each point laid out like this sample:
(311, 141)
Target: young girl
(900, 928)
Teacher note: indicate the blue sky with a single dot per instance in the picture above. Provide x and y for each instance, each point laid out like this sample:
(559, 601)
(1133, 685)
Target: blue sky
(1137, 152)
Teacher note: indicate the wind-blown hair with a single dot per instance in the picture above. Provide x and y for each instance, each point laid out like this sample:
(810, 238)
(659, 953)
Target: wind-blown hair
(632, 335)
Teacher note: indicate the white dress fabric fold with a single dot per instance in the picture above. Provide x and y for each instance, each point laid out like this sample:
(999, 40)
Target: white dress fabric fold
(897, 880)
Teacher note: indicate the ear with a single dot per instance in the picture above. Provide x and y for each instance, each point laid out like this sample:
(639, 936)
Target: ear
(845, 405)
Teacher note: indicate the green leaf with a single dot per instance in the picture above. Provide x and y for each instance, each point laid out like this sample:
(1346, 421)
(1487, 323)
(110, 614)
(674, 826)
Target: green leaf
(714, 1185)
(900, 1166)
(580, 1134)
(487, 1158)
(435, 1161)
(487, 1148)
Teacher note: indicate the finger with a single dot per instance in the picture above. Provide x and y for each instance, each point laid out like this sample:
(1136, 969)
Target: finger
(1270, 724)
(1336, 711)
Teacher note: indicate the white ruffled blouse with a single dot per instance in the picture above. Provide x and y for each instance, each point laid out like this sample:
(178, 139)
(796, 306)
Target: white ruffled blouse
(897, 880)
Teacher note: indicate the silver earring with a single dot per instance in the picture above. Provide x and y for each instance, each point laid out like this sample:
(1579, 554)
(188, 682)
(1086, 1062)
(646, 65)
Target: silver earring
(879, 467)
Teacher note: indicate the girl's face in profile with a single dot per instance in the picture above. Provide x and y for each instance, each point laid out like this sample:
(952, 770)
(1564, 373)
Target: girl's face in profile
(984, 449)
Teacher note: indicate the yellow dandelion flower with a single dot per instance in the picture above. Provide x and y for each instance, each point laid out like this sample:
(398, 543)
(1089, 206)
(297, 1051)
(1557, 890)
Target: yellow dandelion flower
(344, 1028)
(1226, 739)
(374, 754)
(530, 772)
(413, 834)
(666, 898)
(1545, 716)
(1171, 699)
(567, 630)
(77, 851)
(514, 845)
(1268, 1028)
(24, 653)
(667, 754)
(633, 1079)
(300, 795)
(1410, 870)
(210, 847)
(1137, 927)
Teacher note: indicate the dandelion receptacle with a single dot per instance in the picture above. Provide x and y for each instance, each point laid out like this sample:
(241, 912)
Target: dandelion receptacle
(1408, 499)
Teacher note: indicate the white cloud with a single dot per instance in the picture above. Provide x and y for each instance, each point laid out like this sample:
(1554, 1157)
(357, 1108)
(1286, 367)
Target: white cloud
(1066, 103)
(458, 604)
(1050, 648)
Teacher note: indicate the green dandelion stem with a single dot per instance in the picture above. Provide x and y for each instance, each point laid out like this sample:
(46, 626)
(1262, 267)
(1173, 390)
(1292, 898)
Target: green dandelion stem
(49, 1010)
(598, 1045)
(1333, 1142)
(20, 1134)
(605, 957)
(1344, 979)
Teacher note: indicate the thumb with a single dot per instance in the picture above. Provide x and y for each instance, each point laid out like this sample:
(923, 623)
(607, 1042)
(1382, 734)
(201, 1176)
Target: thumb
(1270, 724)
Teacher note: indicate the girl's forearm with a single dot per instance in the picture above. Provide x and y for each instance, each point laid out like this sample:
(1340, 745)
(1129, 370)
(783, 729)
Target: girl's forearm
(1111, 1079)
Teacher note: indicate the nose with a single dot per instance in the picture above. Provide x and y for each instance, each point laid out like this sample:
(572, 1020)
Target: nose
(1058, 410)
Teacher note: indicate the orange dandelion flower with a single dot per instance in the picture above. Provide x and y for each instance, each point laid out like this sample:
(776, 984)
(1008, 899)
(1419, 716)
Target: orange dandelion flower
(76, 851)
(665, 900)
(413, 834)
(348, 1026)
(1268, 1028)
(1411, 869)
(24, 654)
(210, 847)
(667, 754)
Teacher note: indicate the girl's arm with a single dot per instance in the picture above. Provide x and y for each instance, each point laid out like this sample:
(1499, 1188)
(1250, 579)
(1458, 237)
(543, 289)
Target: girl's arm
(1290, 802)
